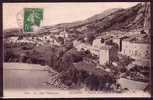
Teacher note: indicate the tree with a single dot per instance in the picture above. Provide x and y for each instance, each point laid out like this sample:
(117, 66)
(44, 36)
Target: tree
(52, 60)
(102, 40)
(60, 40)
(81, 38)
(68, 45)
(90, 37)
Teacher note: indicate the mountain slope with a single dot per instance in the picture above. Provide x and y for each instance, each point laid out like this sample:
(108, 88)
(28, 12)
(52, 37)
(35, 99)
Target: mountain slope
(136, 17)
(125, 20)
(132, 18)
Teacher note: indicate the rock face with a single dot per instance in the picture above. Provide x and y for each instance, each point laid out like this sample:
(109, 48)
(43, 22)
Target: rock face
(147, 21)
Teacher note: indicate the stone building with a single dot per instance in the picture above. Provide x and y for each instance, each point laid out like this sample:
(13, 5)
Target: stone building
(118, 41)
(97, 43)
(94, 48)
(107, 54)
(12, 39)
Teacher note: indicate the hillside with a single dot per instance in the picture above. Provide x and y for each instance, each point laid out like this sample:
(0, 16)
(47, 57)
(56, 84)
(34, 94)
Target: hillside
(136, 17)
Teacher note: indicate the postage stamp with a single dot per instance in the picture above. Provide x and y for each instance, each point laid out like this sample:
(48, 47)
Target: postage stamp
(32, 19)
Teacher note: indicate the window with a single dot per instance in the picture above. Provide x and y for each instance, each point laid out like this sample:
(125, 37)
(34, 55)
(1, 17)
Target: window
(147, 54)
(136, 53)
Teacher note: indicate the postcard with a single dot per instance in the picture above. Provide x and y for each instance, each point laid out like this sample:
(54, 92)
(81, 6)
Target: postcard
(77, 50)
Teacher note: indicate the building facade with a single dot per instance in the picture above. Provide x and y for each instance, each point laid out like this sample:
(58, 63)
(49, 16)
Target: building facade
(136, 50)
(107, 55)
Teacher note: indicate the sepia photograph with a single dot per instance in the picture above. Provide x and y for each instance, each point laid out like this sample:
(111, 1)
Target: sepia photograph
(77, 50)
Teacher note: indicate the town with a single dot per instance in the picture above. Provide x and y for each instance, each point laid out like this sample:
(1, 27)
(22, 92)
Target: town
(93, 55)
(125, 51)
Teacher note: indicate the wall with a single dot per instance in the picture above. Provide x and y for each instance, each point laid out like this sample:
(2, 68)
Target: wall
(103, 57)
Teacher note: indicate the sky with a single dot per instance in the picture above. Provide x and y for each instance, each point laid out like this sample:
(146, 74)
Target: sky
(55, 13)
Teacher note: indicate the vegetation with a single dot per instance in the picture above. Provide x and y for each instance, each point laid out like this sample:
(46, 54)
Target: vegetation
(60, 59)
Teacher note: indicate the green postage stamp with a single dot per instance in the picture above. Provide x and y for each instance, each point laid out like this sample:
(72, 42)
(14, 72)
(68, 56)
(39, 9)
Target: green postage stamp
(33, 18)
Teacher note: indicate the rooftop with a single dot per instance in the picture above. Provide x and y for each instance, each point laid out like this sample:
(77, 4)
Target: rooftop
(138, 39)
(105, 37)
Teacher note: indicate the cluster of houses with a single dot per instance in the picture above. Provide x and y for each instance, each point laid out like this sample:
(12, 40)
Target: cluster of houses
(107, 48)
(39, 40)
(134, 44)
